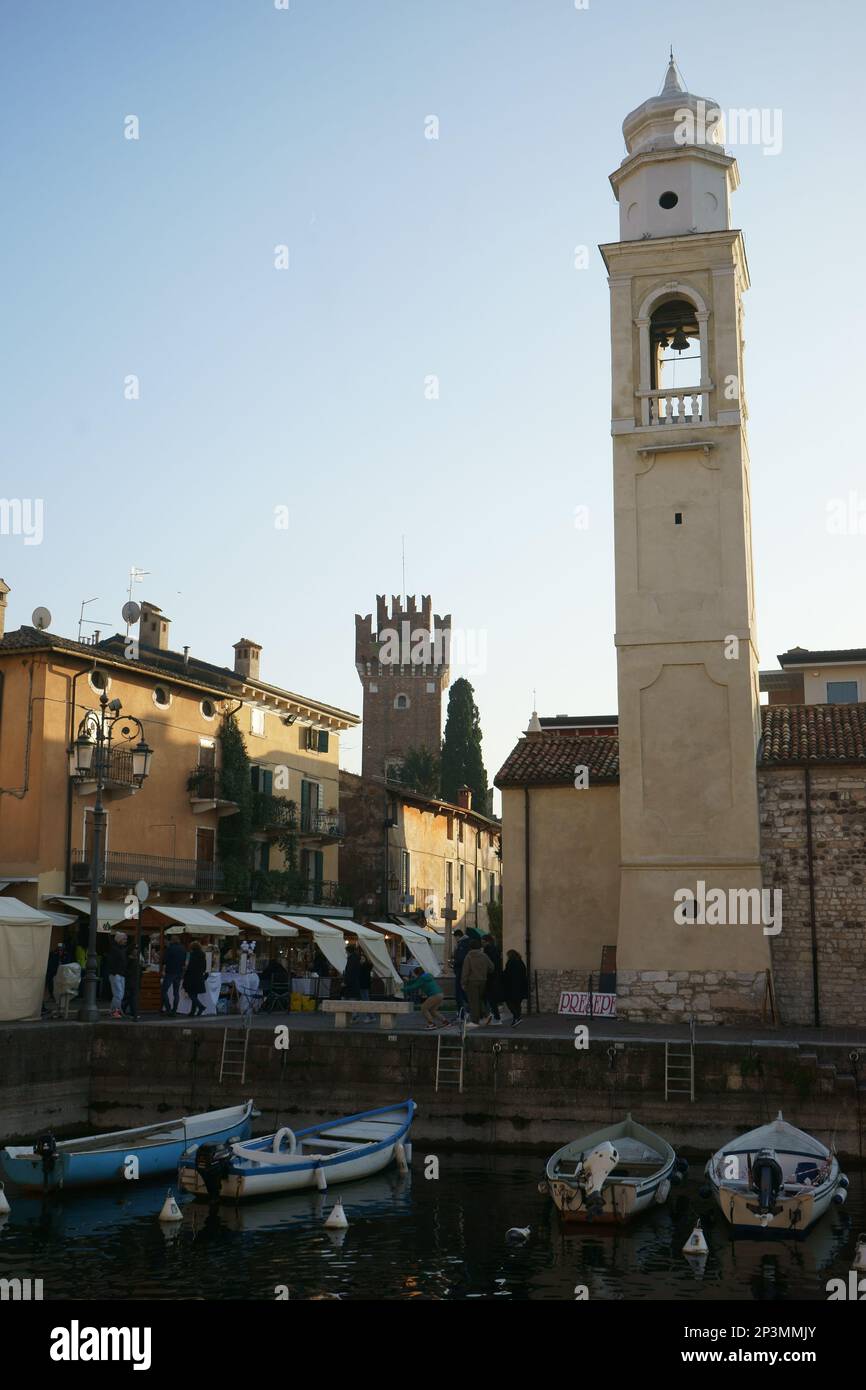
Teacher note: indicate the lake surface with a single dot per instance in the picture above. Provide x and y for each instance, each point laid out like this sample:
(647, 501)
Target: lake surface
(411, 1237)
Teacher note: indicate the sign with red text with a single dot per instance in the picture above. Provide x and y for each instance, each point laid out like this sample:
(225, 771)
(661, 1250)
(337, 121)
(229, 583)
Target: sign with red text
(577, 1002)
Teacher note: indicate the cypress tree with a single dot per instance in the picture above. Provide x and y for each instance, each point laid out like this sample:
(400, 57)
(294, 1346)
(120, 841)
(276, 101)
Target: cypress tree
(462, 762)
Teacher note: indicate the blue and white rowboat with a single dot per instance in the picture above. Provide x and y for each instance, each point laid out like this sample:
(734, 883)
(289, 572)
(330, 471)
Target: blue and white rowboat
(336, 1152)
(105, 1158)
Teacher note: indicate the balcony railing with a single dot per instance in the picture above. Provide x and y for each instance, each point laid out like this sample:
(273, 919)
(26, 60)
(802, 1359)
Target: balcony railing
(203, 783)
(323, 891)
(329, 825)
(274, 812)
(686, 406)
(121, 869)
(117, 774)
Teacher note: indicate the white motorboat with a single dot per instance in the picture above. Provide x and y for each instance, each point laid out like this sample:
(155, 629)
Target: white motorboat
(775, 1179)
(612, 1174)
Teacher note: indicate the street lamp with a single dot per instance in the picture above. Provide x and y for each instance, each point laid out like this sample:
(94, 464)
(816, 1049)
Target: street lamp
(90, 761)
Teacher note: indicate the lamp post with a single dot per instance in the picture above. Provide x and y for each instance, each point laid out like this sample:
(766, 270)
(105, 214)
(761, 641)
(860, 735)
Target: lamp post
(90, 760)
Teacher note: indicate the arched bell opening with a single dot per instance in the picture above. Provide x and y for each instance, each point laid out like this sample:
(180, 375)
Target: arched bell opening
(675, 346)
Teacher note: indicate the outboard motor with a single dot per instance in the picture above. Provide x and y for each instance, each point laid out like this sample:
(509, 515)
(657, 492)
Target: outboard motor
(767, 1179)
(212, 1163)
(595, 1169)
(46, 1147)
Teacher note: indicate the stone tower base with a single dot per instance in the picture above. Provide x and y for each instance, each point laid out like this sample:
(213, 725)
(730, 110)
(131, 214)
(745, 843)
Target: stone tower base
(713, 996)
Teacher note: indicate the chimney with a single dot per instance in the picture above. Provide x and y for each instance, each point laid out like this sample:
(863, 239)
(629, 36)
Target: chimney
(464, 798)
(247, 655)
(4, 590)
(153, 627)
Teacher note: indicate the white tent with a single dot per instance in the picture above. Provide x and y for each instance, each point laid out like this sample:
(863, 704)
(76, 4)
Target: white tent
(374, 948)
(417, 945)
(25, 939)
(329, 940)
(434, 938)
(258, 921)
(110, 911)
(192, 920)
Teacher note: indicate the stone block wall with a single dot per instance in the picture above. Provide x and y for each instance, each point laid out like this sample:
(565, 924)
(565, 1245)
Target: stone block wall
(838, 802)
(713, 996)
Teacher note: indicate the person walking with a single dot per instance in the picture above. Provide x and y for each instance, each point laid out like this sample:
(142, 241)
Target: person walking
(175, 961)
(430, 994)
(515, 985)
(133, 980)
(117, 972)
(494, 982)
(460, 952)
(365, 980)
(352, 977)
(477, 968)
(194, 978)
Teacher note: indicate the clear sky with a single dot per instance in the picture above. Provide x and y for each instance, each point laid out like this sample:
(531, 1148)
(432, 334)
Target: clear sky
(409, 258)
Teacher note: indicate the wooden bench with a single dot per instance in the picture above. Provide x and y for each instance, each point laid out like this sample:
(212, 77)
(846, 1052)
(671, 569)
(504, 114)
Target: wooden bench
(387, 1009)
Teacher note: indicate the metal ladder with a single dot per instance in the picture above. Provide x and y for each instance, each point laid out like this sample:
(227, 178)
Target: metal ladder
(680, 1067)
(233, 1063)
(449, 1058)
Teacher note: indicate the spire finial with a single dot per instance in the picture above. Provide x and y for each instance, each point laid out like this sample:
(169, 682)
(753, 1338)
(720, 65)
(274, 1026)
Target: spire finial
(672, 82)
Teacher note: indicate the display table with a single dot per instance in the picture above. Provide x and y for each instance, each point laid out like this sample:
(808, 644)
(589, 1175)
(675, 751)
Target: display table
(247, 990)
(212, 987)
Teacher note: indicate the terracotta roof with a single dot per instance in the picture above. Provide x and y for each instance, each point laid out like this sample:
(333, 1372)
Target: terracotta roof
(549, 759)
(812, 734)
(840, 656)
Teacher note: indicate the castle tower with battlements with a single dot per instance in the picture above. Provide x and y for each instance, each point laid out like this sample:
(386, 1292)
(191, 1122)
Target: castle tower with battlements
(403, 666)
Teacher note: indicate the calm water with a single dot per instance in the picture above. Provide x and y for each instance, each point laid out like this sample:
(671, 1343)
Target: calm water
(409, 1237)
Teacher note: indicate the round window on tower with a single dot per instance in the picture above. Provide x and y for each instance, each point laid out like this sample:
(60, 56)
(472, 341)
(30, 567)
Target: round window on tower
(668, 201)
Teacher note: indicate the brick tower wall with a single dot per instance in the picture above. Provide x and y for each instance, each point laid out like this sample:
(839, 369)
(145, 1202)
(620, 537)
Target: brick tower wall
(403, 665)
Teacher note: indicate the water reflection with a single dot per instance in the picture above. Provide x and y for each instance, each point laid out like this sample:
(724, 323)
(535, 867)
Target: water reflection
(410, 1238)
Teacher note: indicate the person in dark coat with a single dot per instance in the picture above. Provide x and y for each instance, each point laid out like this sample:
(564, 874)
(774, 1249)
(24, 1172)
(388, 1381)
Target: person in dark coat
(194, 978)
(133, 980)
(515, 985)
(175, 961)
(494, 982)
(55, 960)
(352, 977)
(365, 979)
(460, 952)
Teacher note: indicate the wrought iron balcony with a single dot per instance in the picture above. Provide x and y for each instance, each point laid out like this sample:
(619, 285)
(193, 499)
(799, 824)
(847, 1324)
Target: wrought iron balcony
(324, 825)
(323, 891)
(275, 813)
(122, 869)
(118, 775)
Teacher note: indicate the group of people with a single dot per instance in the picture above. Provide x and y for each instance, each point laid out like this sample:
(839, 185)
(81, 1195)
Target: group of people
(180, 968)
(481, 981)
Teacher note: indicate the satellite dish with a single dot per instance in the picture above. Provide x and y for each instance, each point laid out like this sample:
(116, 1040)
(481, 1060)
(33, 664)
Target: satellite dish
(41, 618)
(142, 892)
(130, 612)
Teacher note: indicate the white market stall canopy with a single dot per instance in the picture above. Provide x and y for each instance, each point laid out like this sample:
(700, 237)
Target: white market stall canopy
(434, 938)
(416, 944)
(374, 948)
(258, 921)
(25, 937)
(193, 919)
(329, 940)
(109, 911)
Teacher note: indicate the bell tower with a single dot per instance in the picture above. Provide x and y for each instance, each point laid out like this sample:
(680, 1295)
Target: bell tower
(687, 662)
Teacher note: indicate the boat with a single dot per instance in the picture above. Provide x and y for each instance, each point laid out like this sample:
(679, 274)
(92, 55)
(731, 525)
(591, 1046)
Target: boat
(50, 1165)
(775, 1179)
(612, 1174)
(338, 1151)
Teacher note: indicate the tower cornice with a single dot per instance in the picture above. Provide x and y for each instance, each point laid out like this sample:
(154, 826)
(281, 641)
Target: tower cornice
(644, 257)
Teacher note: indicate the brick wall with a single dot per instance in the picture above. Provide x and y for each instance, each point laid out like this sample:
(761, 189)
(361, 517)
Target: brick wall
(838, 801)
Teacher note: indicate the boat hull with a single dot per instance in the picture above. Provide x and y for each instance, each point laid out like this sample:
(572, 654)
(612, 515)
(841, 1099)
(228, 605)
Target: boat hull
(622, 1201)
(272, 1175)
(24, 1169)
(796, 1215)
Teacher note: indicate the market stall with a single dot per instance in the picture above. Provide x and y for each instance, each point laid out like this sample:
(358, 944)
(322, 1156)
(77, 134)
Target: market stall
(373, 947)
(25, 938)
(417, 944)
(201, 925)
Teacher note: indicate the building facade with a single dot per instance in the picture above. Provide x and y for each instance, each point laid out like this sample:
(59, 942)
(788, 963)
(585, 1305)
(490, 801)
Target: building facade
(168, 832)
(410, 854)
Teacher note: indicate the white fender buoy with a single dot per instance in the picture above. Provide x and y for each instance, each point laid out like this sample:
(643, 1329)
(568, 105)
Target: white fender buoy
(170, 1209)
(408, 1150)
(697, 1242)
(321, 1180)
(4, 1204)
(663, 1191)
(400, 1153)
(336, 1221)
(860, 1253)
(517, 1235)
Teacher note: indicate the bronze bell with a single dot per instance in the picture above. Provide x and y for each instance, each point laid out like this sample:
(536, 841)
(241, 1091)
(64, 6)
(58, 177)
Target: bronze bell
(679, 342)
